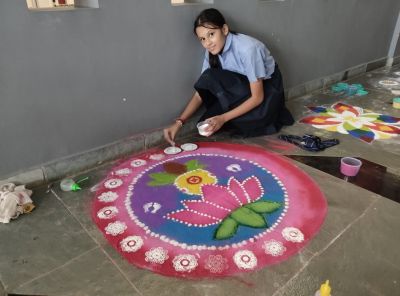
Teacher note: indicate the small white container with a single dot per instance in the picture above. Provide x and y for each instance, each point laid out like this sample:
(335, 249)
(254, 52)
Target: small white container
(67, 185)
(202, 127)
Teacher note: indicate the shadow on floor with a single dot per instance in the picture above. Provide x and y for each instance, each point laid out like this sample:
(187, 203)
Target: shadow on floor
(372, 176)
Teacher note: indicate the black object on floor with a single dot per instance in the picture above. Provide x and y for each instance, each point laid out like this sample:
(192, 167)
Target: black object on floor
(372, 176)
(309, 142)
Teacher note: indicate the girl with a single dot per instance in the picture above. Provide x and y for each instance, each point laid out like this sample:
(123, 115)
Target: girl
(240, 85)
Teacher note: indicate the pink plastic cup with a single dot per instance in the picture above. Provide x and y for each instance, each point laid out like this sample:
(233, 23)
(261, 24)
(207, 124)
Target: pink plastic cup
(350, 166)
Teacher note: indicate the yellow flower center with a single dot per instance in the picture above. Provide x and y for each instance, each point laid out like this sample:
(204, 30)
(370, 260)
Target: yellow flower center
(191, 182)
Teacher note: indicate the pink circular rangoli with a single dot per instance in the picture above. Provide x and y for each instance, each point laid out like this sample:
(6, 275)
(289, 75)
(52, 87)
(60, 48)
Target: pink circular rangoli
(217, 211)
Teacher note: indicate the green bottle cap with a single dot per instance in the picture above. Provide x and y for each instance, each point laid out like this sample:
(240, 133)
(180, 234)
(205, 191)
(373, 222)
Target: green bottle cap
(75, 187)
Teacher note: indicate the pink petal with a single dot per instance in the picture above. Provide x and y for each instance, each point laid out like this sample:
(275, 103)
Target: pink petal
(192, 218)
(206, 207)
(220, 196)
(253, 188)
(238, 191)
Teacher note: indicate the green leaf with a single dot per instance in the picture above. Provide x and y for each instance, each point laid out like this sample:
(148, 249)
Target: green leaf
(348, 126)
(264, 207)
(194, 165)
(248, 217)
(159, 179)
(226, 229)
(156, 183)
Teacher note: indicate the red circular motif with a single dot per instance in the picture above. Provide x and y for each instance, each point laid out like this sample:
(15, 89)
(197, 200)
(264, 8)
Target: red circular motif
(185, 262)
(131, 243)
(194, 180)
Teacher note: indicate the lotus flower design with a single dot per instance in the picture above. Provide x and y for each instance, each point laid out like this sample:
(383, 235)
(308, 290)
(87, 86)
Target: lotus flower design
(360, 123)
(238, 203)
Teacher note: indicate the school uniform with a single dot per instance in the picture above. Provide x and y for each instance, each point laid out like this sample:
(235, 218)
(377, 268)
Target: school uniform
(243, 60)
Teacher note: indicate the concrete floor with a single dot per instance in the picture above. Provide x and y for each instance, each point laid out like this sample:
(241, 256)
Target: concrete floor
(57, 249)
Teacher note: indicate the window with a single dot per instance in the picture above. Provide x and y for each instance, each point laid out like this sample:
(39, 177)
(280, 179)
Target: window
(182, 2)
(60, 4)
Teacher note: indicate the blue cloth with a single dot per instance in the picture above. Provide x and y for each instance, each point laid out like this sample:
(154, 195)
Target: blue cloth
(245, 55)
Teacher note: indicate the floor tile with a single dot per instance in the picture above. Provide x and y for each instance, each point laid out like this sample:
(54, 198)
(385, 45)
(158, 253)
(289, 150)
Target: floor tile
(38, 242)
(346, 201)
(362, 261)
(262, 282)
(373, 80)
(79, 202)
(90, 274)
(2, 291)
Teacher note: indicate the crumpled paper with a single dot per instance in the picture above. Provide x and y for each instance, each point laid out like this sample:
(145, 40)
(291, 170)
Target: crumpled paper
(14, 201)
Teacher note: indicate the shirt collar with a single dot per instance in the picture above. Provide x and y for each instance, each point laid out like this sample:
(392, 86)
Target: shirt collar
(228, 42)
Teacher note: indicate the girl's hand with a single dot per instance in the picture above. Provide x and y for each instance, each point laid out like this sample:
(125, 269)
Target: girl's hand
(170, 133)
(215, 123)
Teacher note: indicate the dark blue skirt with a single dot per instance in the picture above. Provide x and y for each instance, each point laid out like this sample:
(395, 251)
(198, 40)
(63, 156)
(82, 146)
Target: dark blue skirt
(222, 90)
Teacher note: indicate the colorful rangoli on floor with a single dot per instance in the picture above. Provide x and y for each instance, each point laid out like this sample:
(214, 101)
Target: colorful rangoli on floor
(358, 122)
(217, 211)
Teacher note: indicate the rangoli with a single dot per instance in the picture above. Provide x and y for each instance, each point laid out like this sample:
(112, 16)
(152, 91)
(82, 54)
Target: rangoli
(217, 211)
(363, 124)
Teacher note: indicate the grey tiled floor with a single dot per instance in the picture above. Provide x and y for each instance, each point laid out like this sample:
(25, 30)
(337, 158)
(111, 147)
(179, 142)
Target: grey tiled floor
(57, 249)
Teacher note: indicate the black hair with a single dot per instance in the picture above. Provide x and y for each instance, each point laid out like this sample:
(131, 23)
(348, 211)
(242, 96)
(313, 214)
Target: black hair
(213, 19)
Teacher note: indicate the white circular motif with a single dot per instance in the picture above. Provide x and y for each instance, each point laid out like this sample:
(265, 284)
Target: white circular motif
(216, 263)
(274, 248)
(156, 255)
(293, 234)
(131, 244)
(156, 156)
(113, 183)
(172, 150)
(245, 259)
(138, 162)
(388, 83)
(108, 196)
(115, 228)
(234, 168)
(185, 262)
(189, 147)
(123, 172)
(107, 212)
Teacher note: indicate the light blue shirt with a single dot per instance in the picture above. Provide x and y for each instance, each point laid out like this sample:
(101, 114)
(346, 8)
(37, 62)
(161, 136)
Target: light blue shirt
(245, 55)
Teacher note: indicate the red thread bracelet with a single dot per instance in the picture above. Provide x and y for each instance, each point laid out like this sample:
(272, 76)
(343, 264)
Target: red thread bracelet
(180, 120)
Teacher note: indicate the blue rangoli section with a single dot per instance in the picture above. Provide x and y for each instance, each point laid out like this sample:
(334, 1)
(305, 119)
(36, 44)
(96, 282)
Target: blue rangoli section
(168, 199)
